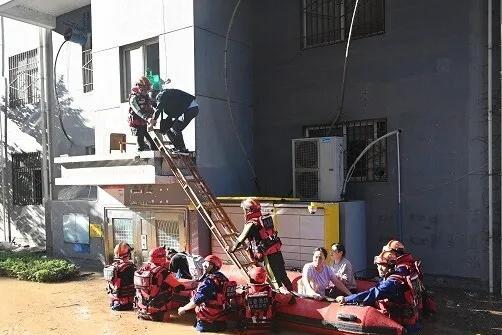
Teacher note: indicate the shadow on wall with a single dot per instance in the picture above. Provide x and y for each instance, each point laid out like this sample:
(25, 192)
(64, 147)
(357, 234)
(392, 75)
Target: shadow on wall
(25, 134)
(28, 120)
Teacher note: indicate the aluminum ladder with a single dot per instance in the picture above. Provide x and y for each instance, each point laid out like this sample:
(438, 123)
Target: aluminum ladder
(204, 201)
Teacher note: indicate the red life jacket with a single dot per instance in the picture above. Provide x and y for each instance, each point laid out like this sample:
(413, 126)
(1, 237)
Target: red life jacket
(414, 269)
(119, 276)
(407, 313)
(145, 104)
(259, 301)
(269, 242)
(216, 309)
(153, 294)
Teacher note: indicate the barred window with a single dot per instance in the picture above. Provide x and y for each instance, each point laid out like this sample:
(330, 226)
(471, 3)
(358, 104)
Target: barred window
(27, 179)
(87, 73)
(23, 79)
(358, 134)
(328, 21)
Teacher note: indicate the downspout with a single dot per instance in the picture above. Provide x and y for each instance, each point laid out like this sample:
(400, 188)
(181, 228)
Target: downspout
(43, 115)
(500, 50)
(490, 157)
(3, 140)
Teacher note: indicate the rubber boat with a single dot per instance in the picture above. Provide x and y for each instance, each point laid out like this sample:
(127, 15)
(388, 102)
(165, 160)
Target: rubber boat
(324, 317)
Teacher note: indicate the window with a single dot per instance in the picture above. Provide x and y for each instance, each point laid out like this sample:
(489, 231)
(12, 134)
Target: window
(139, 59)
(87, 70)
(123, 231)
(76, 228)
(23, 79)
(358, 134)
(328, 21)
(27, 179)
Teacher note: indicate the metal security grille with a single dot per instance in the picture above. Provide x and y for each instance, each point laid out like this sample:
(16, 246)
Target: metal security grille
(87, 72)
(168, 233)
(328, 21)
(23, 79)
(26, 179)
(358, 134)
(123, 231)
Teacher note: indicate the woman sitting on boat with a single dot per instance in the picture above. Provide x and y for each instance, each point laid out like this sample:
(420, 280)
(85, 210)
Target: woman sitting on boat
(319, 280)
(343, 267)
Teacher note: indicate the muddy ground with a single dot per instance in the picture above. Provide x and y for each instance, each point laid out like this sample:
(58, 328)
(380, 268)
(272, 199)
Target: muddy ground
(80, 308)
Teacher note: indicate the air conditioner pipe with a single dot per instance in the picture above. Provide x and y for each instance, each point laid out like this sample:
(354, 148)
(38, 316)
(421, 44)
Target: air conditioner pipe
(351, 170)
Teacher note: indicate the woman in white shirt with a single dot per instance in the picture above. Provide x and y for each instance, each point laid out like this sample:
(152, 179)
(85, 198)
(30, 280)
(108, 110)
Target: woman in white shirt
(342, 266)
(317, 277)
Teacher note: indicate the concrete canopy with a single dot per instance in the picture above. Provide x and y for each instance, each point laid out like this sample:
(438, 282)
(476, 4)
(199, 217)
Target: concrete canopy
(39, 13)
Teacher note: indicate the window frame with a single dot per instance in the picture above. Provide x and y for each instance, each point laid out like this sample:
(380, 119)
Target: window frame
(125, 90)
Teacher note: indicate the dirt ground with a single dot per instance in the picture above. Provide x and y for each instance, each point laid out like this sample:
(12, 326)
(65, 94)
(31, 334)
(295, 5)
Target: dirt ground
(80, 308)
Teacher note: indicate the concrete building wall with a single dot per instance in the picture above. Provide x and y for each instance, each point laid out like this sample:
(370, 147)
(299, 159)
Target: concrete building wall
(425, 75)
(116, 24)
(220, 157)
(24, 125)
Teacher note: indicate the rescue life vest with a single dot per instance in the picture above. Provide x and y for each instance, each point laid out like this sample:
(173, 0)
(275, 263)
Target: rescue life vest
(119, 276)
(153, 294)
(406, 313)
(145, 104)
(259, 306)
(216, 309)
(269, 242)
(413, 268)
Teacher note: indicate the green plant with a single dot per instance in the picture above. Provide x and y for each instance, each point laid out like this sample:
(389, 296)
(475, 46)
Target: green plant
(36, 267)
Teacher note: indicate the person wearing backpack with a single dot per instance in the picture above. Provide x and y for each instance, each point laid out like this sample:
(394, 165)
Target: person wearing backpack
(394, 295)
(141, 114)
(120, 278)
(211, 299)
(264, 243)
(406, 264)
(155, 287)
(259, 301)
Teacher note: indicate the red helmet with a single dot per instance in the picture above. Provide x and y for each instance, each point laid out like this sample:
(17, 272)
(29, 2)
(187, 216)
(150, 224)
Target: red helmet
(122, 250)
(251, 205)
(258, 275)
(158, 256)
(394, 245)
(215, 260)
(385, 258)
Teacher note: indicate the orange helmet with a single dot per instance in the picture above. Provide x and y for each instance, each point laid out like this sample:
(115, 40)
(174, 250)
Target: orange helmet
(144, 82)
(251, 205)
(385, 258)
(394, 245)
(215, 260)
(122, 250)
(158, 256)
(258, 275)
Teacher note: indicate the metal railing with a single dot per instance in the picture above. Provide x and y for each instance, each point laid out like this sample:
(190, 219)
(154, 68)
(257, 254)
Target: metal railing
(358, 134)
(327, 21)
(87, 72)
(27, 178)
(23, 79)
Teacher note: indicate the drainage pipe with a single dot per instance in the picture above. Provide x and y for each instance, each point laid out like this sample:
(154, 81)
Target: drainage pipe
(490, 149)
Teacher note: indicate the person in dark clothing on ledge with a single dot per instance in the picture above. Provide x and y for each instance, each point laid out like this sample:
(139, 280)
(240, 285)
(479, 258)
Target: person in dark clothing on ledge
(176, 109)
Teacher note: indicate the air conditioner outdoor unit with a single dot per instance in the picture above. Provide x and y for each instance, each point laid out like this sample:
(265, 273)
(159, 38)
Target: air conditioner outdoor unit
(318, 168)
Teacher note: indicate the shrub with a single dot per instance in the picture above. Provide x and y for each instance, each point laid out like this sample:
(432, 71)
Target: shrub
(36, 267)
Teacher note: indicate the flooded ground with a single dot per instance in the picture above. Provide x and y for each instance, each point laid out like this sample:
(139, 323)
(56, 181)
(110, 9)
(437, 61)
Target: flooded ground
(80, 308)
